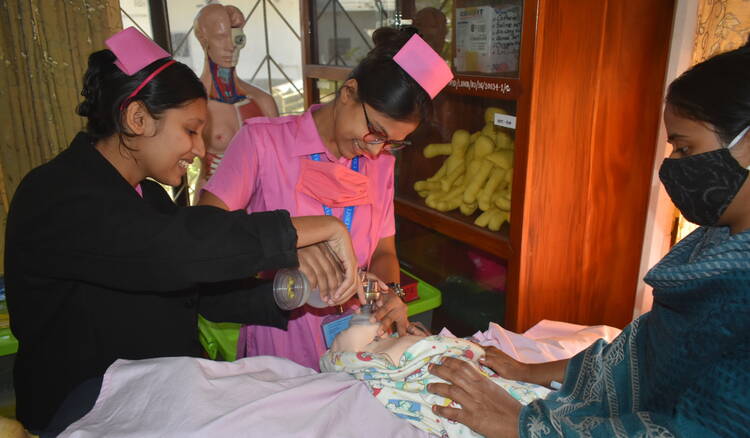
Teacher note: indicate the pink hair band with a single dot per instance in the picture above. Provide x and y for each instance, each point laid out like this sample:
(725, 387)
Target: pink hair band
(145, 82)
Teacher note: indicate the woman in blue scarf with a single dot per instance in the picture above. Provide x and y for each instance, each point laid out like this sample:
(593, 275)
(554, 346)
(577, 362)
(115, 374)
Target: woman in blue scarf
(682, 369)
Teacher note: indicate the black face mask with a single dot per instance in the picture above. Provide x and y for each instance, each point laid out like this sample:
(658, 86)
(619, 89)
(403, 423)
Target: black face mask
(702, 186)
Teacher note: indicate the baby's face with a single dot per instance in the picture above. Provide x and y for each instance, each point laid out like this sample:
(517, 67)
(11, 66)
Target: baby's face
(355, 338)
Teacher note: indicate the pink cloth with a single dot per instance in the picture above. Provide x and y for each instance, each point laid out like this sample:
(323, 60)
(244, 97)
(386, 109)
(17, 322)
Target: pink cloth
(259, 172)
(253, 397)
(332, 184)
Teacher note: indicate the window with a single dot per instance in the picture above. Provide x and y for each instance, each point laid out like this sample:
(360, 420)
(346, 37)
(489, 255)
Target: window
(271, 60)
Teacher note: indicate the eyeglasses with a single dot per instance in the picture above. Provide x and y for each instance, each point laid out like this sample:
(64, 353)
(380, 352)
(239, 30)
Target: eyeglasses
(375, 138)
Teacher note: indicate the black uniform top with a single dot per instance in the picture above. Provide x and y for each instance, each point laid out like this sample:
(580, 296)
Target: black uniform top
(95, 273)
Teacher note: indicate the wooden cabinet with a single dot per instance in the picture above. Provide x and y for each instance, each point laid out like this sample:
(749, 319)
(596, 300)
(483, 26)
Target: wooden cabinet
(587, 98)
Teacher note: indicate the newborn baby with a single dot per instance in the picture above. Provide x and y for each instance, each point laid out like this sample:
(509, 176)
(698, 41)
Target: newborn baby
(395, 369)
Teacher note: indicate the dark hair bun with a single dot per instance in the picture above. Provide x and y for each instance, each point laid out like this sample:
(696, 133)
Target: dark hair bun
(391, 39)
(100, 65)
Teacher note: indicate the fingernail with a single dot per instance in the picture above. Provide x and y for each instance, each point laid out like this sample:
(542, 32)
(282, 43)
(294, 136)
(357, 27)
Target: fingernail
(434, 408)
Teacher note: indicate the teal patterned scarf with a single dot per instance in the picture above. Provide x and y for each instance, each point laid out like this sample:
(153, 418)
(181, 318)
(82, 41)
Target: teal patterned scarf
(682, 369)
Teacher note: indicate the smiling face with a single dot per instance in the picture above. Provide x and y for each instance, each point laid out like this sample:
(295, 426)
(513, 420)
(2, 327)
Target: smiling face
(177, 140)
(350, 125)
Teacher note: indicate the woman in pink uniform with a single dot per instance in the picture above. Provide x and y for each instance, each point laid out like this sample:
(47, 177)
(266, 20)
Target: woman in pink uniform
(335, 158)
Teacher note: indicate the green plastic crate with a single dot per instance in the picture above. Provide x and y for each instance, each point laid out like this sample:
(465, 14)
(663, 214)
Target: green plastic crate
(219, 339)
(8, 343)
(429, 297)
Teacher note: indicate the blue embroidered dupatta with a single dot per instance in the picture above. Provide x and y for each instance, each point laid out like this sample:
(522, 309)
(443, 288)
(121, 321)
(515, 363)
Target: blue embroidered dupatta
(682, 369)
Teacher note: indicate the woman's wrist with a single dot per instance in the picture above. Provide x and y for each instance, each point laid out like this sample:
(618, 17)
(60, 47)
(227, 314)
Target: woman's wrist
(316, 229)
(546, 373)
(395, 288)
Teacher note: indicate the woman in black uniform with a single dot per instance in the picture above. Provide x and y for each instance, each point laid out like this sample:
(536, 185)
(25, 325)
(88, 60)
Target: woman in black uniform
(101, 264)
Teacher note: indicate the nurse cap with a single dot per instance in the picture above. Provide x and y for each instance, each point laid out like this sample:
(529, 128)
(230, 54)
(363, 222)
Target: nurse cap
(424, 65)
(135, 51)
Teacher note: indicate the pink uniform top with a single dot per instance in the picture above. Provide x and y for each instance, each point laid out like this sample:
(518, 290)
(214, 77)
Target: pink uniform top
(259, 172)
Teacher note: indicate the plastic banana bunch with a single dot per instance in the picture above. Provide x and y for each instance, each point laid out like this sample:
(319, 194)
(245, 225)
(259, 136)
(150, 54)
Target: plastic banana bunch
(477, 174)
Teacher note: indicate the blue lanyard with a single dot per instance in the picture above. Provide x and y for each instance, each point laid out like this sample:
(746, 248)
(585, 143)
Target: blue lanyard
(348, 211)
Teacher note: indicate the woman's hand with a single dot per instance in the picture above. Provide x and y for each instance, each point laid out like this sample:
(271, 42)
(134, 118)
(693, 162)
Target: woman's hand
(485, 407)
(322, 270)
(509, 368)
(343, 251)
(389, 309)
(334, 236)
(504, 365)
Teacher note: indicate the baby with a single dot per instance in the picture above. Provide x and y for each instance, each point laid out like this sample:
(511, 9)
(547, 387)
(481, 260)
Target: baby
(395, 370)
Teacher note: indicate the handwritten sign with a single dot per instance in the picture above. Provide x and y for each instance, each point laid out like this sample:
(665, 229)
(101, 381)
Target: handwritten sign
(488, 38)
(480, 85)
(505, 121)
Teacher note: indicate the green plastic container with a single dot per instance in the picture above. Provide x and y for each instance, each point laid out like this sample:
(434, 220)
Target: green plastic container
(429, 297)
(8, 343)
(219, 339)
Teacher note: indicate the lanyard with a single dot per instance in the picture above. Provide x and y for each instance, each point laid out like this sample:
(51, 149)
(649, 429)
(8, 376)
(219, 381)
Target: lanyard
(348, 211)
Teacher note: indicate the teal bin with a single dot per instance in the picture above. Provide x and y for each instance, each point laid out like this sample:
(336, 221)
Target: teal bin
(219, 339)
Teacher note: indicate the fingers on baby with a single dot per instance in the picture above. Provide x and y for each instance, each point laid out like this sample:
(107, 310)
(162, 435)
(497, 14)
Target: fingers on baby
(416, 328)
(459, 372)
